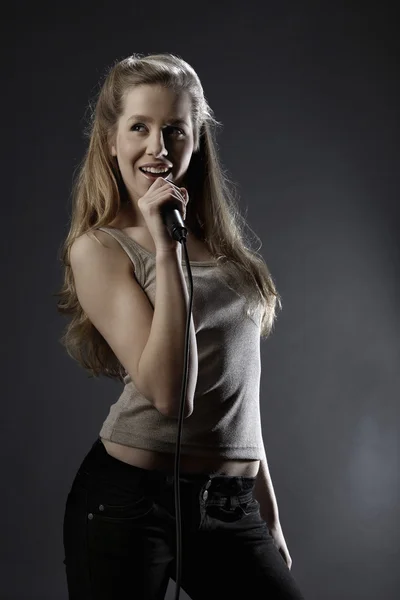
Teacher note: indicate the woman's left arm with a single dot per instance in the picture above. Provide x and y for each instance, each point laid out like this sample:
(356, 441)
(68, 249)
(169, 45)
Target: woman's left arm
(264, 493)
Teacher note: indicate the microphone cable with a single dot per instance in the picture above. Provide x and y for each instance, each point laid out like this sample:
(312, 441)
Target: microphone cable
(179, 232)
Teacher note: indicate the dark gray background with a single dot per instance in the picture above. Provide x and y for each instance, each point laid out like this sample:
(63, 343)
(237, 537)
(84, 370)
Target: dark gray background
(307, 93)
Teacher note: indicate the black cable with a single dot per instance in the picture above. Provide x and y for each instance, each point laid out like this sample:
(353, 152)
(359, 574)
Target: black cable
(180, 235)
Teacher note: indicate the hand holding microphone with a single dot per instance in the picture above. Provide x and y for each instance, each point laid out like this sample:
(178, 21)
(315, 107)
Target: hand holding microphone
(163, 207)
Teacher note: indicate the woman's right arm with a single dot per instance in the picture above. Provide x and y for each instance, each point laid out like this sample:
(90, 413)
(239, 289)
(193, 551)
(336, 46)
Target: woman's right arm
(161, 363)
(148, 343)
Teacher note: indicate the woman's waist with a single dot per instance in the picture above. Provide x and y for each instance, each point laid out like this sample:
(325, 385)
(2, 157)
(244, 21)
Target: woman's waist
(150, 459)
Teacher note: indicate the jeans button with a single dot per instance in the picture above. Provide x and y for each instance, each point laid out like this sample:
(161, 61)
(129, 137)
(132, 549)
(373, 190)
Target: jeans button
(205, 495)
(90, 516)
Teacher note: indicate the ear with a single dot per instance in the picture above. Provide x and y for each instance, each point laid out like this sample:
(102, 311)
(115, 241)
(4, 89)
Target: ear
(113, 149)
(111, 145)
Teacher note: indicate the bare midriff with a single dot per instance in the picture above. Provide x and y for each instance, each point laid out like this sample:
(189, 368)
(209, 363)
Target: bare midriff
(149, 459)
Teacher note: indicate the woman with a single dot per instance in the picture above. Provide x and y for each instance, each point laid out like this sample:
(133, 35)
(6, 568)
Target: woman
(151, 142)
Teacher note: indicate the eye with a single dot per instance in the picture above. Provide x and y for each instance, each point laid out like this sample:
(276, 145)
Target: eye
(137, 125)
(169, 129)
(177, 130)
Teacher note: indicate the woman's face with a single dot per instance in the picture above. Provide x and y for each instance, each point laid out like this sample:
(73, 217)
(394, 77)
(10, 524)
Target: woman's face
(155, 127)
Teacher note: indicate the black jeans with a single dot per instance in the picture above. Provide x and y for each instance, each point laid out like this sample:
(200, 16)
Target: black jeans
(119, 536)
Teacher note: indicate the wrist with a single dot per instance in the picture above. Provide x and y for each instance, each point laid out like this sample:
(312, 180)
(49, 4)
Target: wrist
(167, 252)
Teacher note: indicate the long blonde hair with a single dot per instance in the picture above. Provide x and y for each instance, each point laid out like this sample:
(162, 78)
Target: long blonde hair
(212, 215)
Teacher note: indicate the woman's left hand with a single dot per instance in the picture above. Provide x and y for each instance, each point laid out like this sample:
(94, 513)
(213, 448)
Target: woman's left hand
(279, 540)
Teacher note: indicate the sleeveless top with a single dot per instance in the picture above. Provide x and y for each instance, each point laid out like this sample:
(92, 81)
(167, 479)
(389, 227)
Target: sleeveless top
(226, 418)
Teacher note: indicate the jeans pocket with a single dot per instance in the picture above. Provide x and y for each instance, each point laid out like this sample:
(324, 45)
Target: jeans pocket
(118, 504)
(234, 507)
(117, 523)
(104, 511)
(249, 507)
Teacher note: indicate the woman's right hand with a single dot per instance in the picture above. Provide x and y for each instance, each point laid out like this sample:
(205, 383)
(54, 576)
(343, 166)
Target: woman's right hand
(161, 192)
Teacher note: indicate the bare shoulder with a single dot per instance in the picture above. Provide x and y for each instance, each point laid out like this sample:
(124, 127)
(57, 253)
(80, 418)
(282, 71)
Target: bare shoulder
(93, 239)
(98, 246)
(112, 299)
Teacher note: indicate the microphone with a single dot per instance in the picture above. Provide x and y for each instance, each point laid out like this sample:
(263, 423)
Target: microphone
(173, 220)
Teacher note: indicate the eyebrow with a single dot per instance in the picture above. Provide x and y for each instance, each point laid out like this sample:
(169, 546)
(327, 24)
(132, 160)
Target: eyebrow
(151, 120)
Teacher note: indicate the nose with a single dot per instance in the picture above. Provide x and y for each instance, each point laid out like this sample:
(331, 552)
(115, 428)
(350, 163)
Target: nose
(156, 144)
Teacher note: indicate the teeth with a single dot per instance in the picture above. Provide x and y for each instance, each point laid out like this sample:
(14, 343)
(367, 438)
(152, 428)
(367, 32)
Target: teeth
(154, 170)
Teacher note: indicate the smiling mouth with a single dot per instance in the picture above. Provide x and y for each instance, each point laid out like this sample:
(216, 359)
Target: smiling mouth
(156, 175)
